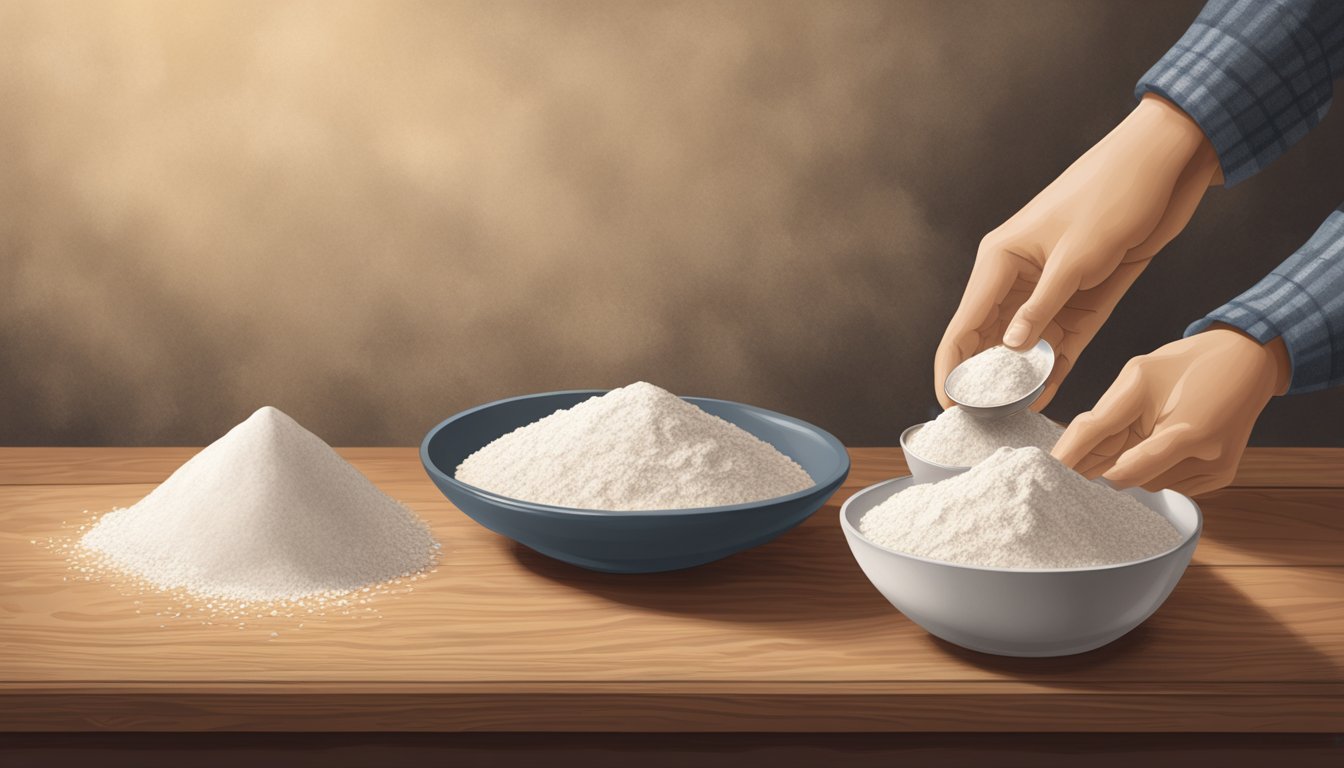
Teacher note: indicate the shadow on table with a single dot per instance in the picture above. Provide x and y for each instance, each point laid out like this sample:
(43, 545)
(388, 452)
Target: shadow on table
(1208, 630)
(806, 583)
(805, 578)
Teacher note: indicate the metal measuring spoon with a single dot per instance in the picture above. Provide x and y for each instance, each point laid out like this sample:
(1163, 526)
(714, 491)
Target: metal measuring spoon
(1003, 409)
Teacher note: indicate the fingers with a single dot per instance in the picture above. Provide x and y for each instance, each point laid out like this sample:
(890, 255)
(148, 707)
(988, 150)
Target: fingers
(991, 278)
(1062, 367)
(1103, 456)
(1201, 484)
(1047, 394)
(1149, 459)
(1059, 280)
(1092, 466)
(1118, 408)
(956, 346)
(1198, 473)
(1182, 474)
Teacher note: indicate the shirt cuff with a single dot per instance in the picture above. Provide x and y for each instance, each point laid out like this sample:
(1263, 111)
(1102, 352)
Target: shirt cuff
(1246, 74)
(1302, 302)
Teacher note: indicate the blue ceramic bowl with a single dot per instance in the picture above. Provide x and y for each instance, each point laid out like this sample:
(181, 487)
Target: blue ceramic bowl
(633, 542)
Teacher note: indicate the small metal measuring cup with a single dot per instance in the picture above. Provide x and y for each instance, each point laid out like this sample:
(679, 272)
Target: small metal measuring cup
(1002, 409)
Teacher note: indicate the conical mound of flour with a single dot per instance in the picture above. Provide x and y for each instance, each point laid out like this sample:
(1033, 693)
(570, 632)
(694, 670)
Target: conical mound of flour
(635, 448)
(268, 512)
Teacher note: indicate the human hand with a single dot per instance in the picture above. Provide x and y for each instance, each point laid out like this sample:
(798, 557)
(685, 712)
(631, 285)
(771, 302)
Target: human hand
(1057, 268)
(1180, 417)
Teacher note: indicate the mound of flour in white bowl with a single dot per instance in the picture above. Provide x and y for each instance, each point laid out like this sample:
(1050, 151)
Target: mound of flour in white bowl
(1019, 508)
(959, 439)
(635, 448)
(268, 512)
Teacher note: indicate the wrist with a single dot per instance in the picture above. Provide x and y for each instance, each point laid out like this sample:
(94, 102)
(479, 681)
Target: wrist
(1271, 358)
(1167, 119)
(1281, 364)
(1166, 126)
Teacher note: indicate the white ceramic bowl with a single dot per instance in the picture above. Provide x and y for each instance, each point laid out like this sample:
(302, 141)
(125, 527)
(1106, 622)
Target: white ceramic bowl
(923, 470)
(1044, 612)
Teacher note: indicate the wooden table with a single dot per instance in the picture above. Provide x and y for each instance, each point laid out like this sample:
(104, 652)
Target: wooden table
(786, 638)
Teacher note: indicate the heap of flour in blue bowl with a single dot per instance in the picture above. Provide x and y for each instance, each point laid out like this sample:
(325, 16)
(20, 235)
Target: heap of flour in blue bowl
(635, 448)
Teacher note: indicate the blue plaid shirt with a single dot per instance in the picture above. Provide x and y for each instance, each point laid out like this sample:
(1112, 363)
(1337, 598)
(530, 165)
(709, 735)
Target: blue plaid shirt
(1257, 75)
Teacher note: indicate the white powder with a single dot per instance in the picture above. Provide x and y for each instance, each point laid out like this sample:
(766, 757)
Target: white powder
(635, 448)
(268, 512)
(999, 375)
(1019, 508)
(959, 439)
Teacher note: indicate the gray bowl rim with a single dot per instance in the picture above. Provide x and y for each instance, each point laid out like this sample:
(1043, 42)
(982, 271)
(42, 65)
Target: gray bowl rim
(909, 480)
(557, 511)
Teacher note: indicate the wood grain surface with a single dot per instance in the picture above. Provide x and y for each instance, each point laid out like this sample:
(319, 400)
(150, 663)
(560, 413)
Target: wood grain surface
(786, 637)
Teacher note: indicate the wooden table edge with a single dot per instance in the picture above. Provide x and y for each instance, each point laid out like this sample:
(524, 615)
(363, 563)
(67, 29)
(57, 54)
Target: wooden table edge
(1272, 710)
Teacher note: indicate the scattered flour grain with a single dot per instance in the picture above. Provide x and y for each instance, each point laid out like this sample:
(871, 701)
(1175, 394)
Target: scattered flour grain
(635, 448)
(1019, 508)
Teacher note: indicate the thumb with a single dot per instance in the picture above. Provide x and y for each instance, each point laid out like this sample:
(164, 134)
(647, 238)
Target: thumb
(1060, 279)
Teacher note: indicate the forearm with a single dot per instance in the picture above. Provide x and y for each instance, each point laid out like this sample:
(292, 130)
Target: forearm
(1256, 75)
(1301, 302)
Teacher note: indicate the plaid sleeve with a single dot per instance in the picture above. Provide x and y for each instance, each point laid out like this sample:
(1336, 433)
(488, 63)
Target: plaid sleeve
(1302, 300)
(1256, 75)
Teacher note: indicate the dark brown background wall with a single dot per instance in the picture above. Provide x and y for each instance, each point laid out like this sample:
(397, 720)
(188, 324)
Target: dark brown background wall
(374, 214)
